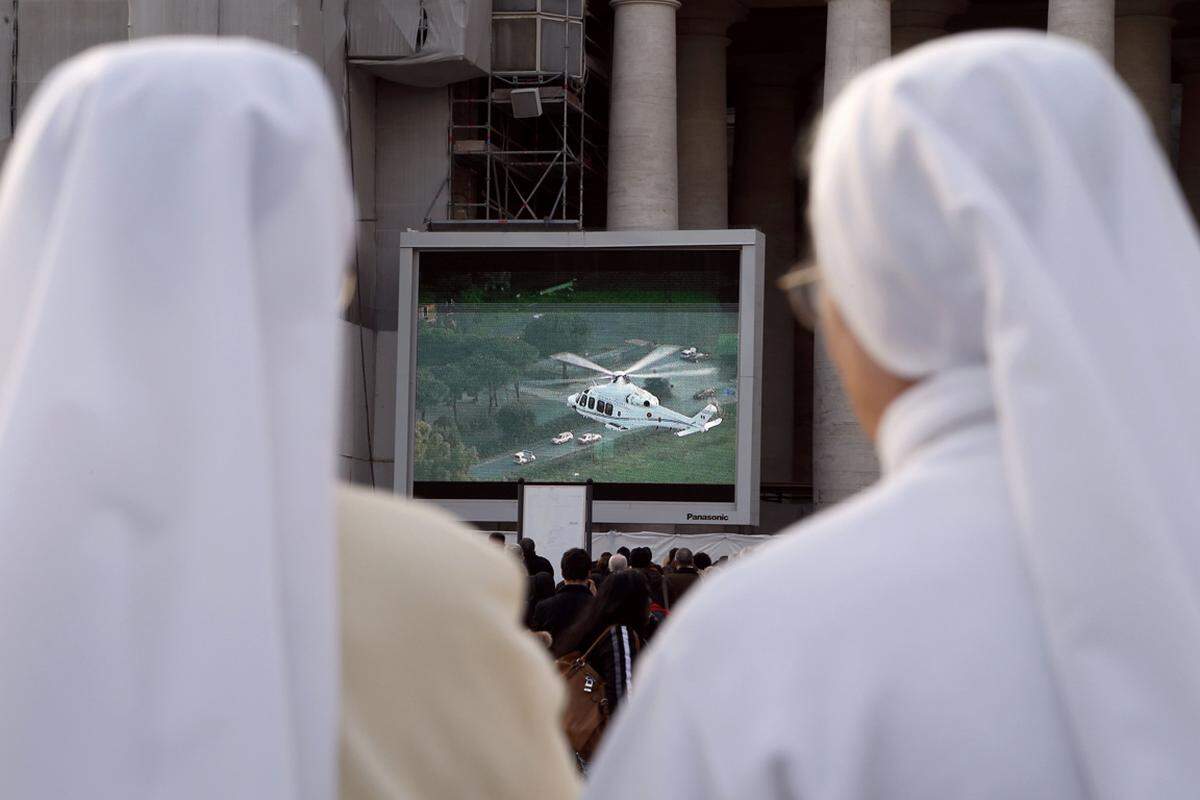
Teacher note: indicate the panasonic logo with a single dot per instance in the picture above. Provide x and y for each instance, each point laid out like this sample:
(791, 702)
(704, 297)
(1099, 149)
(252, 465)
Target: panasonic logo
(708, 516)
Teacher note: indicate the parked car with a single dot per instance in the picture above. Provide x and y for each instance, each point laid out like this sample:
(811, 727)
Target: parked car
(523, 457)
(695, 356)
(687, 352)
(563, 437)
(589, 438)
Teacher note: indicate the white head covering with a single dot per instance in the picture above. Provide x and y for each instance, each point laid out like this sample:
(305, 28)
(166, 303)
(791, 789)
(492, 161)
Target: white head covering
(997, 204)
(174, 221)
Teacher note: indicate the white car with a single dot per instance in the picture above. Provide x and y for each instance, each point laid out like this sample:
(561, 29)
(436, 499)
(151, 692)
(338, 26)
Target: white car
(523, 457)
(589, 438)
(690, 351)
(563, 437)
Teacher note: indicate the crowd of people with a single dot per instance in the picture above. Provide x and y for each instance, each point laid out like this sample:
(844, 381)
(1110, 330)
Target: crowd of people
(622, 596)
(191, 607)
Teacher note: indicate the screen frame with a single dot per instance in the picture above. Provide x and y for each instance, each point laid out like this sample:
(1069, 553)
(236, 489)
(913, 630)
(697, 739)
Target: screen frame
(750, 244)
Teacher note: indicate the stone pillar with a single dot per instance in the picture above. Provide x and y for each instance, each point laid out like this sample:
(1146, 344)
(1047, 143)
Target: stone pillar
(643, 168)
(1144, 58)
(7, 42)
(764, 196)
(1189, 142)
(1187, 53)
(859, 35)
(1090, 21)
(915, 22)
(703, 132)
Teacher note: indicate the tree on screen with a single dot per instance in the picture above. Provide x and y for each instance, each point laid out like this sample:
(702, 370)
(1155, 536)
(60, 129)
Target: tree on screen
(519, 356)
(458, 379)
(436, 346)
(490, 371)
(438, 455)
(558, 333)
(431, 390)
(515, 420)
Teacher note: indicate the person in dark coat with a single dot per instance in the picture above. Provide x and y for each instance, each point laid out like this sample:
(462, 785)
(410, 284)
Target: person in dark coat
(600, 568)
(555, 614)
(680, 580)
(641, 560)
(615, 622)
(533, 562)
(540, 587)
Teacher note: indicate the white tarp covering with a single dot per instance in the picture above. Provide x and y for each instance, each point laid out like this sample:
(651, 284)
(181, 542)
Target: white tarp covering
(422, 42)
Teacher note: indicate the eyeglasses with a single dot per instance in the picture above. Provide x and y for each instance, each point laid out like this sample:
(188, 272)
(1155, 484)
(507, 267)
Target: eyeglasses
(802, 285)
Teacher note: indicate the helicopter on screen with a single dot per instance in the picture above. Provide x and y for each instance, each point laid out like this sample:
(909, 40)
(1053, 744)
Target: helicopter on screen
(621, 405)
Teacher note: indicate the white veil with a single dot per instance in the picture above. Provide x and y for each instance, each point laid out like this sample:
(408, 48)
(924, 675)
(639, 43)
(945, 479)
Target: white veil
(999, 200)
(175, 216)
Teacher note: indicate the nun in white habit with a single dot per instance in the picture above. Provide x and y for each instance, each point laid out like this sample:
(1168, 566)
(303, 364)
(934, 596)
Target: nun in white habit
(1012, 295)
(175, 219)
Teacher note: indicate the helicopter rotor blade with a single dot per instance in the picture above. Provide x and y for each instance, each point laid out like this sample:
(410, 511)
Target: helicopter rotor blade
(580, 361)
(578, 380)
(679, 373)
(657, 354)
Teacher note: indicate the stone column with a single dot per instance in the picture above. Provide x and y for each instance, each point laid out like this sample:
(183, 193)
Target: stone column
(1144, 58)
(1090, 21)
(643, 168)
(1189, 142)
(7, 43)
(764, 196)
(915, 22)
(1187, 53)
(703, 132)
(859, 35)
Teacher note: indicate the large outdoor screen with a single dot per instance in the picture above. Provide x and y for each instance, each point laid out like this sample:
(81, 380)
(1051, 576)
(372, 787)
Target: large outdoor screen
(614, 366)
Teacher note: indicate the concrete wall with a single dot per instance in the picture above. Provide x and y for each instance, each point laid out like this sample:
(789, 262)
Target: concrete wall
(51, 31)
(410, 164)
(358, 347)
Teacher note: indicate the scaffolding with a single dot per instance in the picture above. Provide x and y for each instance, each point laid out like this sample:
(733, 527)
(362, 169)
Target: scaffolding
(525, 161)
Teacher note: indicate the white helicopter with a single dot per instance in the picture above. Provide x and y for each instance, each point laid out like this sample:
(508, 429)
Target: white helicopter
(621, 404)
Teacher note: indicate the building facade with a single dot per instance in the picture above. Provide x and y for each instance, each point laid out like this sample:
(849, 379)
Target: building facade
(691, 119)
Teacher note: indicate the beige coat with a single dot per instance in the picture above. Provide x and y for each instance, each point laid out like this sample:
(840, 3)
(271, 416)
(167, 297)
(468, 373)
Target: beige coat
(444, 693)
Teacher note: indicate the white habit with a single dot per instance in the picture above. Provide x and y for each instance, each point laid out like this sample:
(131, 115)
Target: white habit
(1014, 610)
(175, 216)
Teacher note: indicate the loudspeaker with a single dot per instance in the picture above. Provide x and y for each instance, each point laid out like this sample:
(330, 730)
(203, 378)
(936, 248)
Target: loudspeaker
(526, 103)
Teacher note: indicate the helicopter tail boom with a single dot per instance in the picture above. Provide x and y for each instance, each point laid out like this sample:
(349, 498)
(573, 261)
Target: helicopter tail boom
(702, 422)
